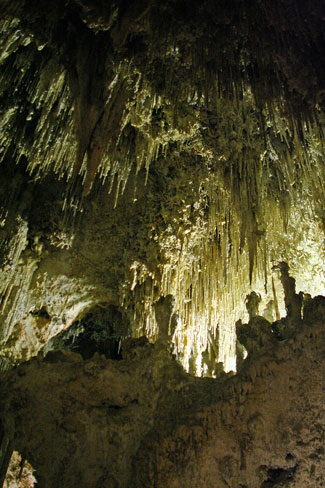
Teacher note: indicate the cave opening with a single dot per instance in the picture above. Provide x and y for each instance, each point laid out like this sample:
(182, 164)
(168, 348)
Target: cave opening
(101, 330)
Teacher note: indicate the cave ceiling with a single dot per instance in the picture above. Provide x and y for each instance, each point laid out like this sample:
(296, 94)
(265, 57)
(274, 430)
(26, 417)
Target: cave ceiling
(157, 149)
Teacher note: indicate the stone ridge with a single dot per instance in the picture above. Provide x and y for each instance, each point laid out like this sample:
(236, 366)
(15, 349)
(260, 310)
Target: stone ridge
(143, 422)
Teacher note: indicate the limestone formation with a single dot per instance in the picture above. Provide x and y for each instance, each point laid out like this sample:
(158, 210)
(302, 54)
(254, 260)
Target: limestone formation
(160, 162)
(154, 150)
(143, 422)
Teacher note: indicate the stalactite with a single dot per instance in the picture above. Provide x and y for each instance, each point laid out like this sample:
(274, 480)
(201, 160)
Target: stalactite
(196, 96)
(16, 275)
(208, 290)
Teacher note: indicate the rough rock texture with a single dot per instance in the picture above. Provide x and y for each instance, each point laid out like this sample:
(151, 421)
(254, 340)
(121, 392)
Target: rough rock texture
(155, 161)
(19, 473)
(152, 149)
(144, 422)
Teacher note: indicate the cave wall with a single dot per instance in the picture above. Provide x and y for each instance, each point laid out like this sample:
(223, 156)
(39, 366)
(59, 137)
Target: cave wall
(161, 160)
(143, 422)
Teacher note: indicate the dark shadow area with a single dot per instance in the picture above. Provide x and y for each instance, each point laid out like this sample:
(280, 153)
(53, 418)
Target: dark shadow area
(101, 330)
(278, 477)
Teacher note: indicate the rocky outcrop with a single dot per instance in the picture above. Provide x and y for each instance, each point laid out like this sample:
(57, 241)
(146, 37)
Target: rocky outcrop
(19, 473)
(143, 422)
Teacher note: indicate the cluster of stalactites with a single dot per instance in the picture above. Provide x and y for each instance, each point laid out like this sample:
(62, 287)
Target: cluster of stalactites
(15, 277)
(212, 275)
(55, 127)
(259, 160)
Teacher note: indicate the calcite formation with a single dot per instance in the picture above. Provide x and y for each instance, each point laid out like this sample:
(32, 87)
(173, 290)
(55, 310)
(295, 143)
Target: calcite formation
(160, 162)
(157, 150)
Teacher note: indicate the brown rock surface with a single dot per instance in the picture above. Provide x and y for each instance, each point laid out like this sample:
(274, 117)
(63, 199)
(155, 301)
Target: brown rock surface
(143, 422)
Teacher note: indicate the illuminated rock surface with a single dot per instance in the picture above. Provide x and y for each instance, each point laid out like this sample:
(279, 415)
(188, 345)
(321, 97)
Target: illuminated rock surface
(20, 473)
(204, 125)
(159, 162)
(143, 422)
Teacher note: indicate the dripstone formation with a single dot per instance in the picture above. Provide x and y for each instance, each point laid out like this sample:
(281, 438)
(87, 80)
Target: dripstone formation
(160, 162)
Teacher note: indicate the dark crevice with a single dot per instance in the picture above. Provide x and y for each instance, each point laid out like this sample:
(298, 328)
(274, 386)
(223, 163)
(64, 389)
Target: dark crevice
(278, 476)
(42, 312)
(101, 331)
